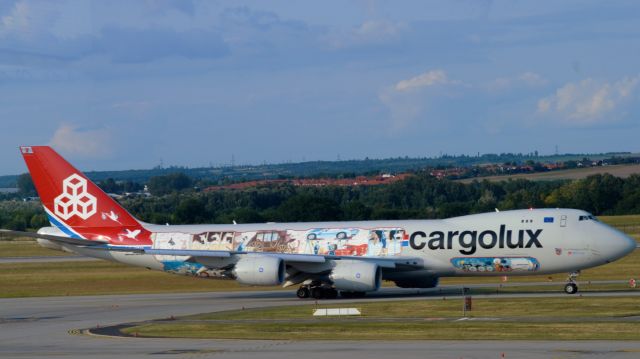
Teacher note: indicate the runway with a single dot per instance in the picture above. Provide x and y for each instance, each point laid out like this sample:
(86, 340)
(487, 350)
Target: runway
(44, 327)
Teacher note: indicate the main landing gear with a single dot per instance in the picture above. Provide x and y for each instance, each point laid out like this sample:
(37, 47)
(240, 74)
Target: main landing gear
(572, 287)
(323, 291)
(316, 292)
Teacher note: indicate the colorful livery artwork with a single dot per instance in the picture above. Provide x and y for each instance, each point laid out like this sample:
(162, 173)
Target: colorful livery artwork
(496, 264)
(323, 241)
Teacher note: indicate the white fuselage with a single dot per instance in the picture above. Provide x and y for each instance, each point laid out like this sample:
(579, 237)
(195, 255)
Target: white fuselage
(519, 242)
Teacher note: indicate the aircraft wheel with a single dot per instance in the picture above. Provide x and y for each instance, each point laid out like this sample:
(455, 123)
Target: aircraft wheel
(571, 288)
(303, 292)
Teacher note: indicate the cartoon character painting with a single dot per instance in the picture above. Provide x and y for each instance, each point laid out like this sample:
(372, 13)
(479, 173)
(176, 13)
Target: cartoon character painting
(272, 241)
(496, 264)
(320, 241)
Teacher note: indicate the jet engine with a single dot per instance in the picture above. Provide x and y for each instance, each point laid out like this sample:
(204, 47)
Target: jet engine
(260, 270)
(356, 276)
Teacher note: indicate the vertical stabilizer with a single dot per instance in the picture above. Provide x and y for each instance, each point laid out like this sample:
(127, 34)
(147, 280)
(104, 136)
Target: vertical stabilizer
(77, 206)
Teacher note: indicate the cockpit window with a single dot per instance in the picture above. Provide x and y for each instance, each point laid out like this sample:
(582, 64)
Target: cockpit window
(587, 218)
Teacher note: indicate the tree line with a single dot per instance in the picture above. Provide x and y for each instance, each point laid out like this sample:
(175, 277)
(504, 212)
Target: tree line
(418, 197)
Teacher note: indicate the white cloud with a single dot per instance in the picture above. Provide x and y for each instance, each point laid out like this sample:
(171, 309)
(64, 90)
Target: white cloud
(408, 99)
(135, 108)
(589, 101)
(378, 28)
(532, 79)
(544, 105)
(17, 21)
(370, 32)
(402, 109)
(429, 78)
(71, 140)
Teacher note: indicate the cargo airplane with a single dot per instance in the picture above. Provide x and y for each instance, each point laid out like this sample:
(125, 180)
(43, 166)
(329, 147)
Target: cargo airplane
(324, 258)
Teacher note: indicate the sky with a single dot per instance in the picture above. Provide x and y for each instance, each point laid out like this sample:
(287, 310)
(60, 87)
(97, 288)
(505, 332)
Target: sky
(135, 84)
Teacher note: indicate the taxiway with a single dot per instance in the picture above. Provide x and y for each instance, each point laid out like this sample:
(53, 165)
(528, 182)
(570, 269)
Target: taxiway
(47, 327)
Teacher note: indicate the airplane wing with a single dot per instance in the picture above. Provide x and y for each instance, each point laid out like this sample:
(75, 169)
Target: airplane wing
(299, 267)
(60, 239)
(201, 255)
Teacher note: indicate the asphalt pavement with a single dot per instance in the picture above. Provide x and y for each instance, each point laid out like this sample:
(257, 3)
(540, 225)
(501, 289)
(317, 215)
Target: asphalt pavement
(49, 327)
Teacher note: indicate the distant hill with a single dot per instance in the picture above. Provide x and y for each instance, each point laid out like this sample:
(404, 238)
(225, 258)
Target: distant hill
(622, 171)
(330, 168)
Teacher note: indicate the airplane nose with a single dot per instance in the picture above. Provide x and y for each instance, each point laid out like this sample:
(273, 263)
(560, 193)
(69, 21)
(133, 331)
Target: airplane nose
(608, 243)
(619, 244)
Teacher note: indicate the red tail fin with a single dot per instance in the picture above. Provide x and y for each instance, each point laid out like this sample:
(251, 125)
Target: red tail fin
(76, 205)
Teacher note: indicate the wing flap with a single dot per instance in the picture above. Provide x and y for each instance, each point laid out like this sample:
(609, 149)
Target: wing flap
(187, 252)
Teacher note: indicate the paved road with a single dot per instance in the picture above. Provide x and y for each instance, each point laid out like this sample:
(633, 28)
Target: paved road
(40, 327)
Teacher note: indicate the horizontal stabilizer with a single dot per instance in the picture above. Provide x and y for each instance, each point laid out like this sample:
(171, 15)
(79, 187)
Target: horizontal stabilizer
(59, 239)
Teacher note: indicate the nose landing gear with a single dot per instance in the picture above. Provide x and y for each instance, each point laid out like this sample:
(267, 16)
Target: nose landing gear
(572, 287)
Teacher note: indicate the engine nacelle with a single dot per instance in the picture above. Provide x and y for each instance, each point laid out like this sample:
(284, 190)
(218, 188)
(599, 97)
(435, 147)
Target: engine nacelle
(259, 270)
(356, 276)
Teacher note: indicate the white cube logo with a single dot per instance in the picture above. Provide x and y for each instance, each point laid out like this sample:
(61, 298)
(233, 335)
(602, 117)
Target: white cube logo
(75, 200)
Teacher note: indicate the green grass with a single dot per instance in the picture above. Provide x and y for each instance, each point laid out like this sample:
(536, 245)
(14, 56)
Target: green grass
(98, 277)
(569, 318)
(623, 171)
(570, 306)
(102, 277)
(629, 224)
(340, 330)
(27, 248)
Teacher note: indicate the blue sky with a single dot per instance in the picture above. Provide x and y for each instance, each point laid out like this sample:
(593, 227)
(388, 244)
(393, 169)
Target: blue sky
(126, 84)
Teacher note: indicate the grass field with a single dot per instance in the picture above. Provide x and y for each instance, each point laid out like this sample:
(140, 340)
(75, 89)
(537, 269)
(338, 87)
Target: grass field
(97, 277)
(570, 306)
(426, 330)
(567, 318)
(623, 171)
(27, 248)
(101, 277)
